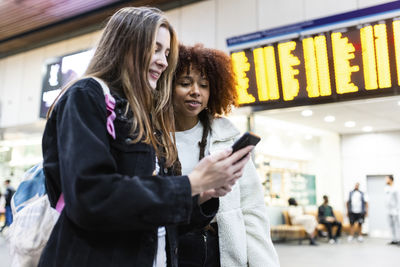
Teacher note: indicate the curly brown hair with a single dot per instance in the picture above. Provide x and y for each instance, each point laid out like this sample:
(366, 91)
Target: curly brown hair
(216, 65)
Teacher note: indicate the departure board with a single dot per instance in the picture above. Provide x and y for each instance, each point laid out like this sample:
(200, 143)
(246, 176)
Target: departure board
(343, 64)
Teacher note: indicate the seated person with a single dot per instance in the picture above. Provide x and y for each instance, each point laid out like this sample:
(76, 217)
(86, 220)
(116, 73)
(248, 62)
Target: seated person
(327, 218)
(298, 217)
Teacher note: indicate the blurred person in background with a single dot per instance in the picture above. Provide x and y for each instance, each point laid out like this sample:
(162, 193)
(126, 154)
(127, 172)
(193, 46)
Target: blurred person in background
(327, 218)
(298, 217)
(392, 206)
(357, 210)
(9, 192)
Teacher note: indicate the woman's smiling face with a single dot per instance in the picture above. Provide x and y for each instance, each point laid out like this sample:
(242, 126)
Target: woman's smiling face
(191, 94)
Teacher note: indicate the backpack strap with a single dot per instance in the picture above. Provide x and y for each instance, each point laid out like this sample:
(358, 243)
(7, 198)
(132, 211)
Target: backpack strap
(60, 203)
(110, 105)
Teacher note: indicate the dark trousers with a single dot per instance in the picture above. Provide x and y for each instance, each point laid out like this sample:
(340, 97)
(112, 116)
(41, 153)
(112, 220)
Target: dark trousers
(329, 226)
(9, 216)
(199, 249)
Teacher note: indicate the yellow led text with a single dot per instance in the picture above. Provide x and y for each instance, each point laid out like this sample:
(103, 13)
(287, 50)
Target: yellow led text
(316, 65)
(343, 52)
(266, 76)
(240, 67)
(290, 84)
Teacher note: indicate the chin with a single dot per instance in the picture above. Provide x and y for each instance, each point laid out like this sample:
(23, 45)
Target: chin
(153, 85)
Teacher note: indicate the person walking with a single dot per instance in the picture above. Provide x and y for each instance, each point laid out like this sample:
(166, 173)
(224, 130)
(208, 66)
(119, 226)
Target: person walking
(9, 192)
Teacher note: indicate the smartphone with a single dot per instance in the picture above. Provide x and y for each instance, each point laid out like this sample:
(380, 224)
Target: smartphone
(246, 139)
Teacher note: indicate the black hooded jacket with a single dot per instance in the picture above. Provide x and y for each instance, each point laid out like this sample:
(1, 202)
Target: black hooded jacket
(113, 202)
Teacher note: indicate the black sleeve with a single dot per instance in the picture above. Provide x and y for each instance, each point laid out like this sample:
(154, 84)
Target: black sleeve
(96, 196)
(333, 214)
(201, 215)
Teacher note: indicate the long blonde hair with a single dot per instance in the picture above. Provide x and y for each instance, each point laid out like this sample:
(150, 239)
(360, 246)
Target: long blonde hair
(122, 60)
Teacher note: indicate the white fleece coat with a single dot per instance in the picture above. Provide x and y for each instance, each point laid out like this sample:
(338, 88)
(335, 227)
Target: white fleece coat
(243, 225)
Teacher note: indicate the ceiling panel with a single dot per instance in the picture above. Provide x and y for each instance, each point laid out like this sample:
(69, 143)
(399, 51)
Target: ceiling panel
(382, 114)
(26, 24)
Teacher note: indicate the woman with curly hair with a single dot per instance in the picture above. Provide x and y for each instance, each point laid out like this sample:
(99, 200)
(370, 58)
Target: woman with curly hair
(111, 156)
(239, 235)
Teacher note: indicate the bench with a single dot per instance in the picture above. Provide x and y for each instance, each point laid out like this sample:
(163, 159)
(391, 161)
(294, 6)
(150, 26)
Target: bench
(290, 232)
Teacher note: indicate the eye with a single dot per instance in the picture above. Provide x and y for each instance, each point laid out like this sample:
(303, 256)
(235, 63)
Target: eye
(204, 83)
(184, 84)
(157, 48)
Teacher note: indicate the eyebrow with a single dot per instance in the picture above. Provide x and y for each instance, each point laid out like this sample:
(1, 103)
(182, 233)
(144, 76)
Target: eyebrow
(186, 77)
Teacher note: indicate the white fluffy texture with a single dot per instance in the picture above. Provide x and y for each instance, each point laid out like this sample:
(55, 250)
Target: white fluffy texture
(243, 225)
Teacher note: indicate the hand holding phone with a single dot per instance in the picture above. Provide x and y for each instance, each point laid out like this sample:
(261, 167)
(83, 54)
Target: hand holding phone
(247, 139)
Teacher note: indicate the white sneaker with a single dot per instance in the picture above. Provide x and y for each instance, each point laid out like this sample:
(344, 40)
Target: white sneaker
(349, 238)
(360, 239)
(332, 241)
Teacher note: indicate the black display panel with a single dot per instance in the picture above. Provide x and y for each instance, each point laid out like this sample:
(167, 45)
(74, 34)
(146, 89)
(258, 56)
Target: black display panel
(58, 73)
(356, 62)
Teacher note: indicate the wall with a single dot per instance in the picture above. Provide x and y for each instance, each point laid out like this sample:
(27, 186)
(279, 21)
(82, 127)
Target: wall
(21, 79)
(370, 154)
(209, 22)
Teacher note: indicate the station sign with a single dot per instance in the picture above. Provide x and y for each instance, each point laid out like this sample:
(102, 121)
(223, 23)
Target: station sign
(360, 61)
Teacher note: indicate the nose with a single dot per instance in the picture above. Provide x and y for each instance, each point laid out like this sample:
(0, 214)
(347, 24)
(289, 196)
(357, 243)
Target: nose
(162, 61)
(195, 89)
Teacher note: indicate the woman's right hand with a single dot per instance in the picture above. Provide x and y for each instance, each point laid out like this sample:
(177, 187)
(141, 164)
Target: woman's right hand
(219, 170)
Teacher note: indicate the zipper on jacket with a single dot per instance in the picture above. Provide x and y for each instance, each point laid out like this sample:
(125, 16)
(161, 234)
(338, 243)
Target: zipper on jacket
(205, 247)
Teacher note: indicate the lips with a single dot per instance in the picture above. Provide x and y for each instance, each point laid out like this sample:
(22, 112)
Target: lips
(192, 104)
(155, 74)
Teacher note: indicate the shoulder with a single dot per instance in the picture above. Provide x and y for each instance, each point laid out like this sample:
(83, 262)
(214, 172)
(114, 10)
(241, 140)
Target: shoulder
(84, 92)
(223, 128)
(85, 86)
(223, 122)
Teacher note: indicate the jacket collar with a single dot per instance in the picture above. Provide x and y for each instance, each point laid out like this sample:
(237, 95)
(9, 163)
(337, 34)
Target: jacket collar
(223, 129)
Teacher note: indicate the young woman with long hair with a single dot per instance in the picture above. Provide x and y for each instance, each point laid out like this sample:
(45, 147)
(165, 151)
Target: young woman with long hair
(112, 156)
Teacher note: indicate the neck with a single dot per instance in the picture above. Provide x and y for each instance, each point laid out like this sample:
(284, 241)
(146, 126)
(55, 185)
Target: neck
(185, 123)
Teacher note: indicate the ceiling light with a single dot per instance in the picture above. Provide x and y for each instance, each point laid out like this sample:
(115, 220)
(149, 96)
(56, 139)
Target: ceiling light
(329, 118)
(367, 129)
(308, 137)
(307, 113)
(349, 124)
